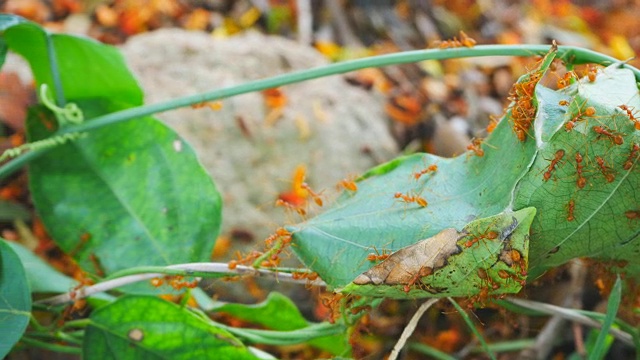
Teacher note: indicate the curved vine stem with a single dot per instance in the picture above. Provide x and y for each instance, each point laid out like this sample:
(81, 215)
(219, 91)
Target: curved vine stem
(569, 54)
(134, 275)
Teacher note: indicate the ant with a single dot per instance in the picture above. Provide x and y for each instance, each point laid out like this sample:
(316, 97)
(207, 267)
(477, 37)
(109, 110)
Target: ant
(489, 235)
(591, 73)
(348, 185)
(630, 115)
(632, 214)
(582, 181)
(430, 168)
(571, 207)
(567, 79)
(289, 206)
(605, 169)
(634, 154)
(493, 122)
(411, 199)
(465, 40)
(311, 276)
(316, 196)
(475, 147)
(424, 271)
(377, 256)
(590, 111)
(617, 138)
(559, 155)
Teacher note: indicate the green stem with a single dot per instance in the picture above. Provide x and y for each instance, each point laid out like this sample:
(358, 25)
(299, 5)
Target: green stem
(267, 254)
(569, 54)
(74, 324)
(159, 270)
(430, 351)
(52, 347)
(271, 337)
(507, 346)
(35, 324)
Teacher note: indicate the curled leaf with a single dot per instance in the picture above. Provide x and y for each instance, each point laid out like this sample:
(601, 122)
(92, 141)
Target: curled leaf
(488, 256)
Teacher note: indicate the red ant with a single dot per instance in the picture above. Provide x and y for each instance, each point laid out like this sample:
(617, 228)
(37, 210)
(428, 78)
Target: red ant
(559, 155)
(634, 153)
(601, 130)
(316, 197)
(430, 168)
(493, 122)
(632, 214)
(590, 111)
(348, 185)
(490, 235)
(629, 111)
(465, 40)
(475, 147)
(581, 179)
(605, 169)
(566, 80)
(289, 206)
(571, 208)
(424, 271)
(377, 256)
(411, 199)
(591, 73)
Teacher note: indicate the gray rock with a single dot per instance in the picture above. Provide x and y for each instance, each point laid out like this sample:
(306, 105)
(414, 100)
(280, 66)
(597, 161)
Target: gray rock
(333, 128)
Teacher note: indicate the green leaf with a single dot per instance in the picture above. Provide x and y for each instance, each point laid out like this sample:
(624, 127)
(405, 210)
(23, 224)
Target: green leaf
(132, 194)
(583, 210)
(15, 299)
(86, 68)
(602, 224)
(41, 276)
(489, 256)
(604, 340)
(278, 312)
(394, 207)
(145, 327)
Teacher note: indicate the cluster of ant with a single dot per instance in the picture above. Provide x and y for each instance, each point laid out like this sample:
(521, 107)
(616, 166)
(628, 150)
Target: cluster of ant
(603, 132)
(340, 305)
(464, 41)
(275, 245)
(175, 281)
(523, 110)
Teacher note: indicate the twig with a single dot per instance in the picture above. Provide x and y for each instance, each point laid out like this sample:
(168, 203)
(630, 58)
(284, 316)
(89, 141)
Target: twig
(189, 269)
(569, 314)
(411, 326)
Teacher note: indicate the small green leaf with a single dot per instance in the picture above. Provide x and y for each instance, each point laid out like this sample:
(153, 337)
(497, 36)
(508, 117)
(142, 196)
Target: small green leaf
(128, 195)
(87, 69)
(488, 256)
(41, 276)
(15, 299)
(278, 312)
(146, 327)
